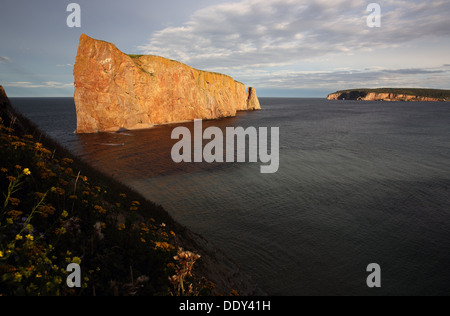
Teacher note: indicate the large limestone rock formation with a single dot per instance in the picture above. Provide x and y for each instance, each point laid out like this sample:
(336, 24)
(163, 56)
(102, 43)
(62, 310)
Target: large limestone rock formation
(116, 91)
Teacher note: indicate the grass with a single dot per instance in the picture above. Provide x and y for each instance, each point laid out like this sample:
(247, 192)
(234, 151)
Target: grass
(56, 210)
(430, 93)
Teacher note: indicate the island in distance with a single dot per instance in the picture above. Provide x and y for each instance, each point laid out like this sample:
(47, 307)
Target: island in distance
(115, 91)
(392, 94)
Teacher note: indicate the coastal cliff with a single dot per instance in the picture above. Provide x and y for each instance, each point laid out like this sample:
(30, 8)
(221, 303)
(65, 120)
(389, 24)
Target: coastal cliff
(116, 91)
(418, 95)
(3, 98)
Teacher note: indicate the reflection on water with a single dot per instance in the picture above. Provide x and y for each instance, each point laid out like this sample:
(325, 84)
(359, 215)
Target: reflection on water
(143, 154)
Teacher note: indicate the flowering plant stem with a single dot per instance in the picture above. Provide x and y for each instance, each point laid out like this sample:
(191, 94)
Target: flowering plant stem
(14, 186)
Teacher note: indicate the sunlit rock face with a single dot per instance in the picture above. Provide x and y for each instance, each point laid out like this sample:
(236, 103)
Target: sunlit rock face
(116, 91)
(373, 96)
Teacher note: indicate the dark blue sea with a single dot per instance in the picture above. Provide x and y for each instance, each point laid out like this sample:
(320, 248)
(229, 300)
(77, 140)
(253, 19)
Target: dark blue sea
(358, 183)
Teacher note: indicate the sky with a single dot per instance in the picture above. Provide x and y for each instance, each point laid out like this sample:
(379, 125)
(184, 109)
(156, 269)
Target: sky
(283, 48)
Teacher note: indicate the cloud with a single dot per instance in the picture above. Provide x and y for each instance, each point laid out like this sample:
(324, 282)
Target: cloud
(267, 33)
(4, 59)
(352, 78)
(414, 71)
(46, 84)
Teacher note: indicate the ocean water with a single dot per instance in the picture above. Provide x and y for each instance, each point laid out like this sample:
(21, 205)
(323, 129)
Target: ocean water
(358, 183)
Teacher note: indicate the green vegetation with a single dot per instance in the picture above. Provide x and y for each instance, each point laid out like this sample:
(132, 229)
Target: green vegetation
(135, 56)
(56, 210)
(429, 93)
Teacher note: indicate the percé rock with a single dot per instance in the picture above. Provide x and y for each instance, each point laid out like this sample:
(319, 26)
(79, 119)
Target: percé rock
(380, 96)
(115, 91)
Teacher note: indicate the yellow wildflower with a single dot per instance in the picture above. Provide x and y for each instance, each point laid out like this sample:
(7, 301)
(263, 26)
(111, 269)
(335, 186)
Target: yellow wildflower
(67, 161)
(64, 214)
(76, 260)
(18, 144)
(100, 209)
(59, 191)
(14, 214)
(26, 171)
(17, 277)
(144, 228)
(44, 151)
(18, 237)
(40, 195)
(60, 231)
(1, 254)
(46, 210)
(14, 201)
(163, 246)
(29, 237)
(11, 179)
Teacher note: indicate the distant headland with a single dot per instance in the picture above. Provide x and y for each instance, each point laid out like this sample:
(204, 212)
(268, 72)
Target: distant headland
(392, 94)
(115, 91)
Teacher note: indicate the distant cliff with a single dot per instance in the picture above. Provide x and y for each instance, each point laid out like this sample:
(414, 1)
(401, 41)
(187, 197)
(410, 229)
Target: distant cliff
(4, 101)
(117, 91)
(387, 94)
